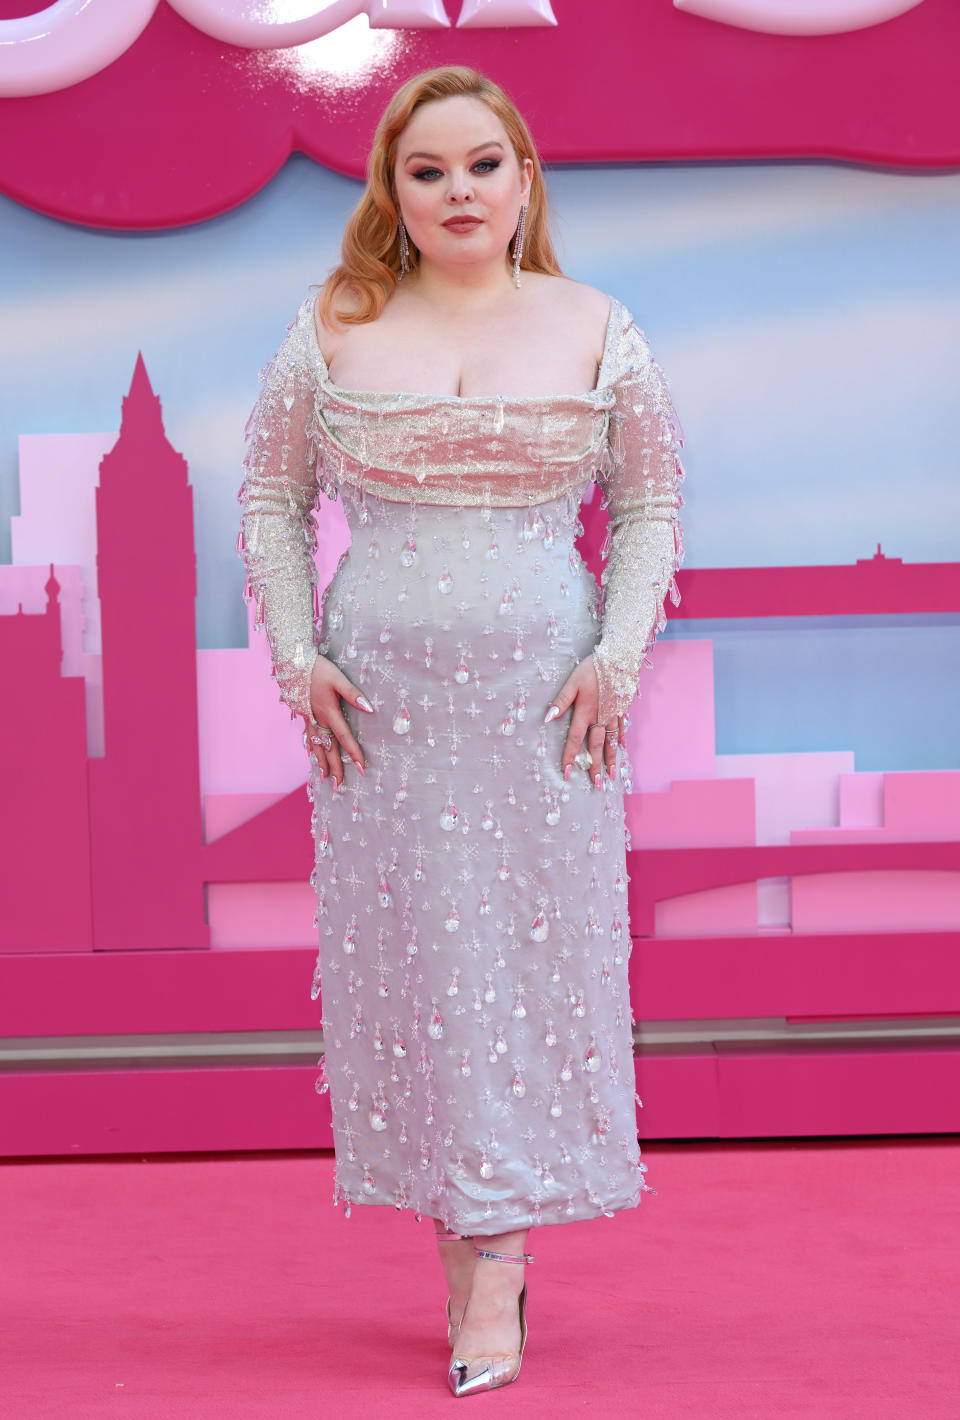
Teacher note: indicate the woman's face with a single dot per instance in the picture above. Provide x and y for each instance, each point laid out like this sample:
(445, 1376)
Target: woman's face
(459, 182)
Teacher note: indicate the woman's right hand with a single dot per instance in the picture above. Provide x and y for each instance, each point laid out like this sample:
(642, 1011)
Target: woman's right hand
(328, 733)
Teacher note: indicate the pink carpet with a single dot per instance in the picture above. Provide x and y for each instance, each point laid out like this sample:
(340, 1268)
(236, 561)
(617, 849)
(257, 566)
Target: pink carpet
(765, 1279)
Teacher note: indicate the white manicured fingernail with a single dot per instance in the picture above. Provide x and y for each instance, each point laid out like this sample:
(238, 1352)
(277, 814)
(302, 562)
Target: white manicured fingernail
(364, 704)
(551, 714)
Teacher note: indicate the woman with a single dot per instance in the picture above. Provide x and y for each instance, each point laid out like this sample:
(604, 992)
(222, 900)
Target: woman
(464, 693)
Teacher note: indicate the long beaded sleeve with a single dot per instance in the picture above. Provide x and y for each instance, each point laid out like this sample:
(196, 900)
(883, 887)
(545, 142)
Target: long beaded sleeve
(277, 533)
(641, 478)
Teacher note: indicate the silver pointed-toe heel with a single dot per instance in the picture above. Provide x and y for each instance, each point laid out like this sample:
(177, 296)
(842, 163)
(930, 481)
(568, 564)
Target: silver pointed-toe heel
(453, 1327)
(471, 1375)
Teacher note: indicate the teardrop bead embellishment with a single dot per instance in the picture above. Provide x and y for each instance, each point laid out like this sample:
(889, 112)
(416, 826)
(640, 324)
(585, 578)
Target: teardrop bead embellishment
(540, 927)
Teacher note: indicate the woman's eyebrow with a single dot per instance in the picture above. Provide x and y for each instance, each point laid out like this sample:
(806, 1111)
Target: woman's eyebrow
(491, 143)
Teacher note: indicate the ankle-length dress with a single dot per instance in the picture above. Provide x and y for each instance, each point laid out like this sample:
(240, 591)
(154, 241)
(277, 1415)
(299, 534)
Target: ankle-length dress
(471, 904)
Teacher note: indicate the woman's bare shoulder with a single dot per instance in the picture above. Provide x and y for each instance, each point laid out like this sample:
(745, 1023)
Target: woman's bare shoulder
(569, 294)
(329, 331)
(579, 306)
(590, 299)
(573, 298)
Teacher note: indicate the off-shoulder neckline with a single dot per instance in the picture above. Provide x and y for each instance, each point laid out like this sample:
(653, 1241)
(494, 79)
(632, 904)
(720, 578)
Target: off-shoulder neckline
(346, 394)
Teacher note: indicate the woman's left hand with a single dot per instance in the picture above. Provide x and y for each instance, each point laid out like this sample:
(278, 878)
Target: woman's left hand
(582, 692)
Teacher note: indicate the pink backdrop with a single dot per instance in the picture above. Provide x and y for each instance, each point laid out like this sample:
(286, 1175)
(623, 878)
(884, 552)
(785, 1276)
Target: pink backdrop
(157, 850)
(183, 125)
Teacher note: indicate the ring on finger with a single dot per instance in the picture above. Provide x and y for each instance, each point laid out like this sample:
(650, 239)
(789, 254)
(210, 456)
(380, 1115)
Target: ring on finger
(324, 738)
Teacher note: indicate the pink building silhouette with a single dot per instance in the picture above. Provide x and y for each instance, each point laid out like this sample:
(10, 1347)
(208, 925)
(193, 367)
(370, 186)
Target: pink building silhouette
(145, 810)
(46, 896)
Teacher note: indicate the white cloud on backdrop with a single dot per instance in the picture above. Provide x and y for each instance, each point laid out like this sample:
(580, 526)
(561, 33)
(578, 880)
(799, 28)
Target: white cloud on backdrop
(651, 211)
(166, 304)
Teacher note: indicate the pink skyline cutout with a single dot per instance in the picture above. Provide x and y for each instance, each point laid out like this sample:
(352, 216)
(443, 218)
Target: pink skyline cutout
(234, 752)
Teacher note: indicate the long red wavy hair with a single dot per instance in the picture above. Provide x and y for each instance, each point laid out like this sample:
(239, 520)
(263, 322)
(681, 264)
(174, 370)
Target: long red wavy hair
(370, 252)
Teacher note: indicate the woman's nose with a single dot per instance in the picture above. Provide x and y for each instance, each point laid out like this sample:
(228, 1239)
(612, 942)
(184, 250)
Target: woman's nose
(461, 188)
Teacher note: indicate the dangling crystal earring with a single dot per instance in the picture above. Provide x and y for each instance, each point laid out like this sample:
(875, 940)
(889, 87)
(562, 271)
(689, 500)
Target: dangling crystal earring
(404, 250)
(518, 245)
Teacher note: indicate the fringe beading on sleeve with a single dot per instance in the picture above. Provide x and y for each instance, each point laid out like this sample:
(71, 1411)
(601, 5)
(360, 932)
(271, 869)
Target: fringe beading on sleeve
(640, 477)
(277, 533)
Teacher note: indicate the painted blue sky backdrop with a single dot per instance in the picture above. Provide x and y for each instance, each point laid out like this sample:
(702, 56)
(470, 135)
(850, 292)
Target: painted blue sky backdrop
(807, 317)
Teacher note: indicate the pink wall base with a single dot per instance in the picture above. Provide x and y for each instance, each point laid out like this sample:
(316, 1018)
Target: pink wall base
(733, 1091)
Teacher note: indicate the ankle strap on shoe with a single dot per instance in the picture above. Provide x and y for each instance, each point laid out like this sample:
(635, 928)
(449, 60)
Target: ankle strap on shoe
(503, 1256)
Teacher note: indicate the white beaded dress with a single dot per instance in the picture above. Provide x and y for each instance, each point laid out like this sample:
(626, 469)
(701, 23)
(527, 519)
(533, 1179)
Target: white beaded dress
(471, 905)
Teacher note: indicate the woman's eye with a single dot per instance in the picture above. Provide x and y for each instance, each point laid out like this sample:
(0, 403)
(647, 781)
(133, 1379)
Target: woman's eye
(485, 165)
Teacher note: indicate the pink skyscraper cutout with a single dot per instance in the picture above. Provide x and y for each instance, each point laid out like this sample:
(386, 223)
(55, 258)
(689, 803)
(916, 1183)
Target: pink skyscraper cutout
(145, 807)
(46, 901)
